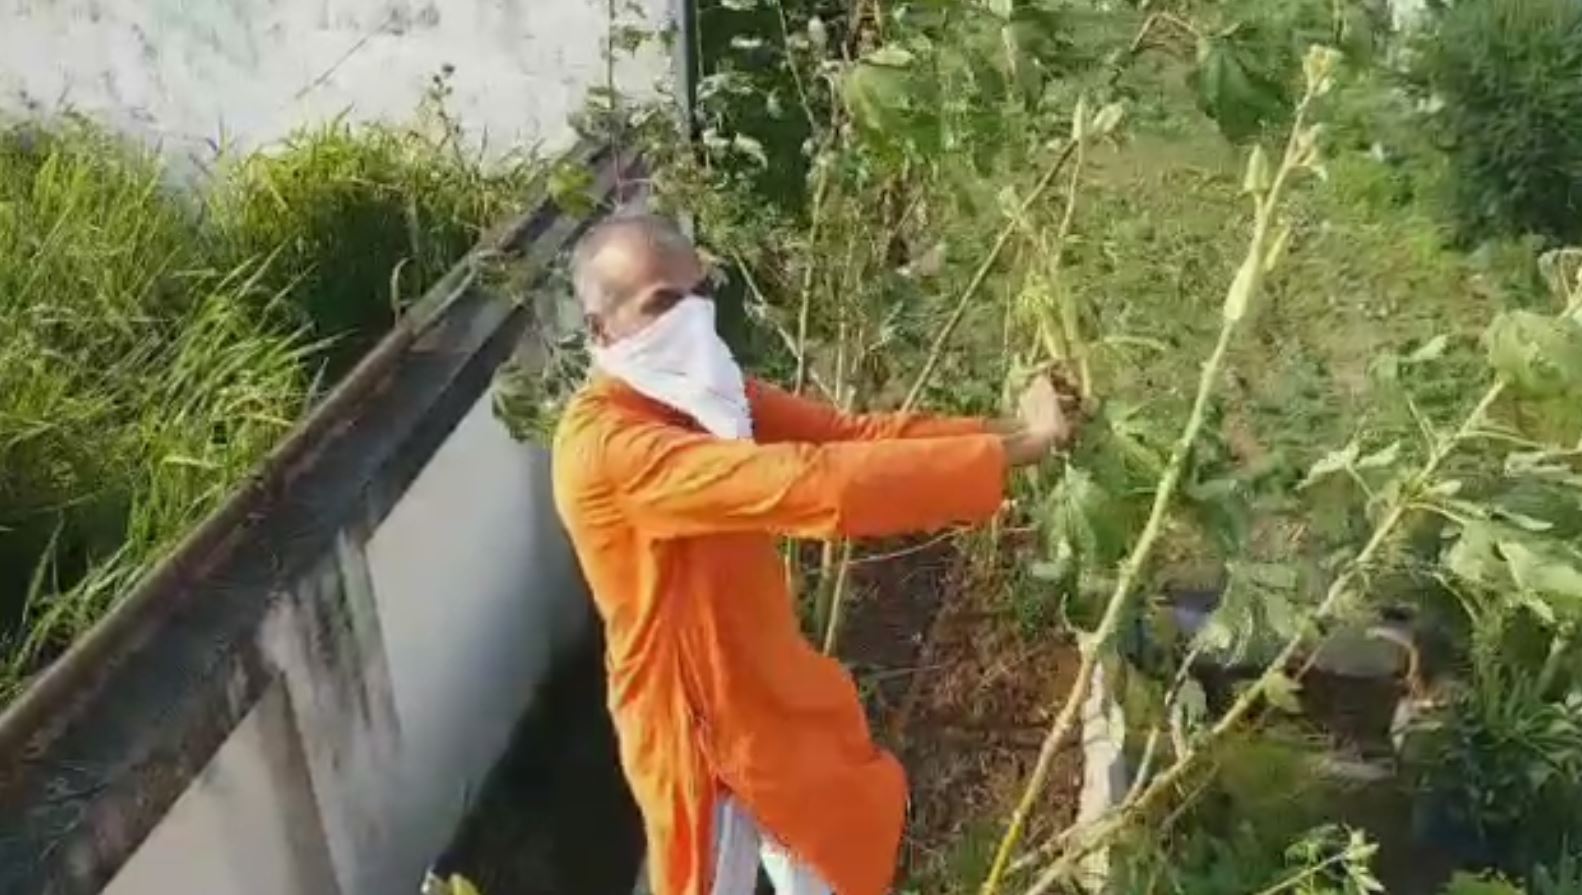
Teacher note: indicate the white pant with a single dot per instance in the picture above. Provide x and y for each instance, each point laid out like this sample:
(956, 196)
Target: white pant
(739, 846)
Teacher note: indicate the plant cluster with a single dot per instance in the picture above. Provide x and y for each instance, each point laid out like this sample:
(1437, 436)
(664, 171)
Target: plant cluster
(1506, 76)
(919, 204)
(160, 342)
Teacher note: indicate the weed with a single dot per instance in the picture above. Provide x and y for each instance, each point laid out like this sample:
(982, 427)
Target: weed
(1509, 73)
(158, 344)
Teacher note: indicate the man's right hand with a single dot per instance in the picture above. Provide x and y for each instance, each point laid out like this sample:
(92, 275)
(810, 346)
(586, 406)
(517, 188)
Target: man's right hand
(1050, 412)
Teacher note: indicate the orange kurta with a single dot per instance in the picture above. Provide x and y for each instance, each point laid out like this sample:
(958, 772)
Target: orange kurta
(712, 685)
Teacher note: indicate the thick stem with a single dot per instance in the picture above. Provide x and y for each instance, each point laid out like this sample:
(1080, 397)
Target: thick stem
(1302, 876)
(1114, 612)
(805, 297)
(837, 599)
(1339, 589)
(1070, 328)
(796, 75)
(936, 351)
(1242, 291)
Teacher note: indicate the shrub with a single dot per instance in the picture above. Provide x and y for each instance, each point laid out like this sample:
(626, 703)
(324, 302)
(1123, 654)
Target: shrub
(341, 208)
(153, 354)
(135, 387)
(1510, 76)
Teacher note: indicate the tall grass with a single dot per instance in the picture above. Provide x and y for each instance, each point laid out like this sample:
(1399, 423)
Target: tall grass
(158, 342)
(362, 219)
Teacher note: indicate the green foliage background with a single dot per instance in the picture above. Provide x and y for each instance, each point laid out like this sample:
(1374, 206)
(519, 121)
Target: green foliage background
(159, 340)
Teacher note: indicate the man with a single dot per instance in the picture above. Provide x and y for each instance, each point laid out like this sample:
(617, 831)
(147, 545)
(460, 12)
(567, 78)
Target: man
(675, 475)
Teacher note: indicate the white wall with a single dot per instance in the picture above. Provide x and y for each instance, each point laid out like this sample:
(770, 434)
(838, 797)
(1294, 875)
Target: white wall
(247, 826)
(192, 75)
(404, 663)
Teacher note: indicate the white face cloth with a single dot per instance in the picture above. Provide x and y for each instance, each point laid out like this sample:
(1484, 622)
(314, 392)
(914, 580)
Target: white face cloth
(680, 361)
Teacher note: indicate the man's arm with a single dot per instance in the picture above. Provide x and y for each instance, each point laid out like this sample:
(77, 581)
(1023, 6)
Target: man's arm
(676, 483)
(779, 416)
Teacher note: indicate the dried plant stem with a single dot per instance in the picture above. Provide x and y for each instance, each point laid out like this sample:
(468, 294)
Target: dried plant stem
(805, 294)
(1071, 331)
(796, 75)
(1302, 876)
(985, 267)
(1338, 591)
(832, 616)
(1472, 428)
(1248, 281)
(837, 598)
(797, 347)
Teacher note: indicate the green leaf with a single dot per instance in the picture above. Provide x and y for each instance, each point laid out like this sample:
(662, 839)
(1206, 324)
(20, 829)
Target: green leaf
(1540, 356)
(751, 148)
(1332, 463)
(1433, 349)
(1239, 98)
(1550, 570)
(891, 56)
(1002, 8)
(884, 102)
(1381, 459)
(1475, 557)
(1282, 692)
(1081, 512)
(1256, 613)
(571, 187)
(1192, 702)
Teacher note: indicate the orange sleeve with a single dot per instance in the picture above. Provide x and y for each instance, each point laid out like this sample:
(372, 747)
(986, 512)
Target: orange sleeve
(677, 483)
(780, 416)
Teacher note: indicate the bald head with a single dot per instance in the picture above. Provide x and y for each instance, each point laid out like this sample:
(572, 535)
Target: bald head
(629, 270)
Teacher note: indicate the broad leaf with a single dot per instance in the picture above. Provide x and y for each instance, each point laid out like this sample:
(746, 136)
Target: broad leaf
(1433, 349)
(1540, 356)
(1381, 459)
(1257, 612)
(1475, 557)
(1548, 570)
(1283, 693)
(1230, 90)
(1331, 464)
(1081, 513)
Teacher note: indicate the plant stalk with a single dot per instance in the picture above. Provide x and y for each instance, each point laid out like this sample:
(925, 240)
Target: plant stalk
(1300, 877)
(805, 298)
(1250, 698)
(935, 354)
(1559, 645)
(985, 267)
(837, 598)
(1071, 331)
(1245, 287)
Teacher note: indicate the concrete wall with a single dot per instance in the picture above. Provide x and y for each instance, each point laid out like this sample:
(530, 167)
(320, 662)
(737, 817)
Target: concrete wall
(308, 696)
(350, 775)
(194, 75)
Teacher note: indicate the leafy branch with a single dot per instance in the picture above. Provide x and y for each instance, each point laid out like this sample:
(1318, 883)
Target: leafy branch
(1263, 252)
(1420, 489)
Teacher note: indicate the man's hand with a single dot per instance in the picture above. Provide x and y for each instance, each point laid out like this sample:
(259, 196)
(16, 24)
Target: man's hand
(1050, 411)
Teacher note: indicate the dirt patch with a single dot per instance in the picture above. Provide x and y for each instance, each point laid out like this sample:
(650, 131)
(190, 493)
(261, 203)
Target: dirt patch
(555, 816)
(926, 628)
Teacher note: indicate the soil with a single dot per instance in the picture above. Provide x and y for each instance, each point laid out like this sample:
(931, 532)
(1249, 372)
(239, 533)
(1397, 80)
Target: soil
(555, 816)
(964, 697)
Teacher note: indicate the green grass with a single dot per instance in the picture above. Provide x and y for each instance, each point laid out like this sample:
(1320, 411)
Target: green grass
(159, 342)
